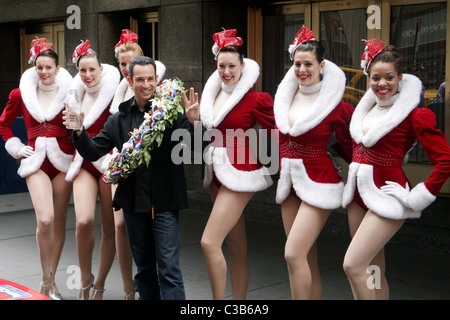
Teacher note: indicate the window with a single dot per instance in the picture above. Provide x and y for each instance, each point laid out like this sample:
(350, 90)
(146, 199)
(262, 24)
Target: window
(419, 34)
(279, 29)
(341, 33)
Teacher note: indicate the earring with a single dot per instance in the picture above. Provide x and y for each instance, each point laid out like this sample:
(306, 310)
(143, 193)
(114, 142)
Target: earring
(399, 86)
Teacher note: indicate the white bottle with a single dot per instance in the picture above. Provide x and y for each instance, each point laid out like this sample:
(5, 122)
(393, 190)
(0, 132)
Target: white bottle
(73, 108)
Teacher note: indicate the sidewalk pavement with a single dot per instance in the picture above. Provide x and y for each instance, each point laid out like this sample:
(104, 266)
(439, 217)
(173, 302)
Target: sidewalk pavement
(413, 274)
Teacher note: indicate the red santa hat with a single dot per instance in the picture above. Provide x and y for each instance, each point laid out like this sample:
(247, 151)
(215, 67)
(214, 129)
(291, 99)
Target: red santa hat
(302, 36)
(127, 36)
(225, 38)
(38, 46)
(373, 48)
(81, 50)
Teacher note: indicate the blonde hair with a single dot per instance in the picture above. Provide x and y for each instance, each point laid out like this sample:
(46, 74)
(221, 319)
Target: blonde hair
(132, 46)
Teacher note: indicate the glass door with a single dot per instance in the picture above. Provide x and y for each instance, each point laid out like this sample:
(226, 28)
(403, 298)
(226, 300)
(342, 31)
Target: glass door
(342, 29)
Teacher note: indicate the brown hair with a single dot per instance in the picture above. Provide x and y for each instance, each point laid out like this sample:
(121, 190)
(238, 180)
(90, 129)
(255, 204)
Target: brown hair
(48, 53)
(390, 55)
(233, 49)
(90, 54)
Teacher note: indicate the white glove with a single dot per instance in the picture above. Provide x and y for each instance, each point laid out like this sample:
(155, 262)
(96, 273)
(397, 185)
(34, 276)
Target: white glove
(396, 190)
(26, 151)
(417, 199)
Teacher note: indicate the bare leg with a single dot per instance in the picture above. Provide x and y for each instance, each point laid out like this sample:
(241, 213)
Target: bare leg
(302, 228)
(237, 250)
(85, 193)
(40, 189)
(367, 243)
(227, 210)
(107, 245)
(355, 216)
(62, 191)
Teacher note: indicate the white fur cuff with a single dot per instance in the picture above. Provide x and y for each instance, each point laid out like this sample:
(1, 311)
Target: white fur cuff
(420, 198)
(13, 147)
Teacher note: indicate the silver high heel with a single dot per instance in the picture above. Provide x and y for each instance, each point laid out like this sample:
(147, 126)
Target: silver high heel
(131, 295)
(55, 294)
(44, 287)
(95, 291)
(88, 287)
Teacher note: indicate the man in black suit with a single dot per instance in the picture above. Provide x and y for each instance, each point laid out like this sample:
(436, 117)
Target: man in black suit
(155, 241)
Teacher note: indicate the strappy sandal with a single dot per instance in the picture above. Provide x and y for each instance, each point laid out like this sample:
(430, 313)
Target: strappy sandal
(44, 287)
(88, 287)
(95, 291)
(131, 295)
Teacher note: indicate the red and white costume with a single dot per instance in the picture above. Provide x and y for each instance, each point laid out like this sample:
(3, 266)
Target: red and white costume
(98, 114)
(46, 133)
(306, 167)
(378, 154)
(233, 164)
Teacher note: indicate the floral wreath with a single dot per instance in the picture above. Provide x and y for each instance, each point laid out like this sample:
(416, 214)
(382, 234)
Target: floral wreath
(302, 36)
(81, 50)
(38, 46)
(165, 107)
(373, 48)
(127, 36)
(225, 38)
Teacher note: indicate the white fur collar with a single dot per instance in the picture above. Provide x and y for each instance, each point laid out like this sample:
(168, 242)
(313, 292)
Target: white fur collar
(109, 82)
(407, 101)
(28, 90)
(250, 74)
(118, 96)
(331, 92)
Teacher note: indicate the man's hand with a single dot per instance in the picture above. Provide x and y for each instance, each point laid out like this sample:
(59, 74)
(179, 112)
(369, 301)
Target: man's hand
(191, 106)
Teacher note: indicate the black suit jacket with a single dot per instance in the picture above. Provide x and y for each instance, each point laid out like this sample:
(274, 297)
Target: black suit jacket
(161, 184)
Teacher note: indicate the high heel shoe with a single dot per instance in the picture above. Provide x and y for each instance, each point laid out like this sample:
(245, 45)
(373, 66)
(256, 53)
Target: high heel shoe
(131, 295)
(95, 291)
(44, 287)
(55, 294)
(81, 295)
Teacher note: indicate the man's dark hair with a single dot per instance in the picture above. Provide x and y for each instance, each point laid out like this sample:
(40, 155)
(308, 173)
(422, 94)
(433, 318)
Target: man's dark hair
(142, 61)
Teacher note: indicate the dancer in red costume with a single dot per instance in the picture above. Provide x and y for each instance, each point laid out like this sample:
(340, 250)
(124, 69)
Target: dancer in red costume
(385, 126)
(46, 158)
(229, 102)
(126, 50)
(96, 84)
(309, 112)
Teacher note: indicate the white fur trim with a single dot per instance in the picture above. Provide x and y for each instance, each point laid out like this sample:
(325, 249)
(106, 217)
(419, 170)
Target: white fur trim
(45, 147)
(419, 197)
(321, 195)
(407, 101)
(28, 90)
(350, 186)
(110, 80)
(331, 92)
(216, 159)
(77, 162)
(13, 146)
(381, 203)
(250, 74)
(119, 95)
(59, 159)
(160, 70)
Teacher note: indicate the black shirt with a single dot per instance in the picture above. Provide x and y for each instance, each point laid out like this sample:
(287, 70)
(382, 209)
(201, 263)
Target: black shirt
(161, 184)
